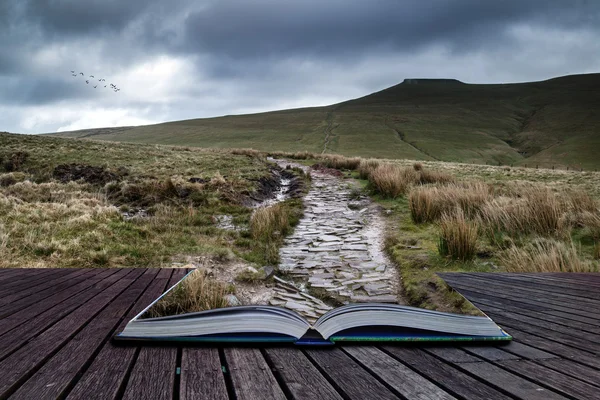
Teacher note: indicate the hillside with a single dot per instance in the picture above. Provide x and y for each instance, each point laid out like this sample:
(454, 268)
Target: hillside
(554, 122)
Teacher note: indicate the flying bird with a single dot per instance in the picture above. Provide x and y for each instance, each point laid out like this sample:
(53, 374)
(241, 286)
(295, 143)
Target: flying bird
(95, 86)
(91, 76)
(81, 73)
(87, 81)
(72, 72)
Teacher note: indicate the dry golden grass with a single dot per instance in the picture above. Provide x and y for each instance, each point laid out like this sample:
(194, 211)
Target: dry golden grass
(270, 221)
(545, 255)
(458, 236)
(366, 167)
(392, 181)
(341, 162)
(428, 203)
(581, 201)
(197, 292)
(418, 166)
(538, 211)
(430, 176)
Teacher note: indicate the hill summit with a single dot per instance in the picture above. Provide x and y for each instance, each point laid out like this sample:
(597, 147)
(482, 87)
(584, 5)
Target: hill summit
(548, 123)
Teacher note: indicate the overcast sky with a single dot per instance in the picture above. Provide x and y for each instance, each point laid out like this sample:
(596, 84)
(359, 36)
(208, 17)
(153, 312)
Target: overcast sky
(179, 59)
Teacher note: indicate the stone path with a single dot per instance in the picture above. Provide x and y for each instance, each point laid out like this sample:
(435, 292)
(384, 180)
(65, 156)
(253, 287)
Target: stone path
(337, 249)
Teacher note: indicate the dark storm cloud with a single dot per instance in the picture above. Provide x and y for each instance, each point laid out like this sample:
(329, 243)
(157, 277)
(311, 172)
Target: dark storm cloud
(243, 29)
(240, 55)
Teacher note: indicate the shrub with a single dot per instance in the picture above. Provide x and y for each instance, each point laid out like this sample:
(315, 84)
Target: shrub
(418, 166)
(458, 236)
(391, 180)
(544, 255)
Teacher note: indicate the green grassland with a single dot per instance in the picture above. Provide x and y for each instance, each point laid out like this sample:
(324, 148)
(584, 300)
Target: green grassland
(550, 123)
(51, 219)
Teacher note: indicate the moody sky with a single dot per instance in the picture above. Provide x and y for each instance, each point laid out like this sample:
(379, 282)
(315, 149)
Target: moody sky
(178, 59)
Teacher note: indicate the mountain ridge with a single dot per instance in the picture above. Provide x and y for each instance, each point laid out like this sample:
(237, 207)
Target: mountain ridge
(548, 123)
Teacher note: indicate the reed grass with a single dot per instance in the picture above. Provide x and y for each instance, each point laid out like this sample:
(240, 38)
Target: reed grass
(458, 236)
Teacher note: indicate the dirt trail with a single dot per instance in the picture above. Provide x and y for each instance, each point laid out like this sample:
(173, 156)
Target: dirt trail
(337, 248)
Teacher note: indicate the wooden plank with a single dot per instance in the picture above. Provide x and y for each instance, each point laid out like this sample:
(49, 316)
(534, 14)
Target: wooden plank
(37, 309)
(402, 379)
(545, 313)
(547, 332)
(301, 378)
(576, 370)
(36, 279)
(450, 354)
(557, 381)
(202, 375)
(490, 353)
(17, 367)
(556, 347)
(10, 274)
(446, 376)
(560, 324)
(43, 294)
(511, 383)
(524, 351)
(251, 376)
(107, 373)
(12, 340)
(155, 368)
(59, 371)
(494, 287)
(48, 284)
(348, 376)
(522, 297)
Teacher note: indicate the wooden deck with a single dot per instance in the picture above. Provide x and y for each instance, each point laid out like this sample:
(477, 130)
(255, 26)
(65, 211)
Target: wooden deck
(55, 327)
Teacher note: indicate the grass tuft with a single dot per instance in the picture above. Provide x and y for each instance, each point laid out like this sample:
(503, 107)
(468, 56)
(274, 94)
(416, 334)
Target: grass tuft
(545, 255)
(458, 236)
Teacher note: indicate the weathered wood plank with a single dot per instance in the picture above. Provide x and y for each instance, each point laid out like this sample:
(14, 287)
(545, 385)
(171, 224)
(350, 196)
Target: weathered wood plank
(60, 371)
(47, 294)
(556, 347)
(511, 383)
(51, 285)
(401, 378)
(576, 370)
(38, 308)
(524, 351)
(531, 293)
(155, 368)
(448, 377)
(10, 274)
(251, 376)
(19, 365)
(557, 381)
(490, 353)
(202, 375)
(12, 340)
(107, 373)
(523, 297)
(302, 379)
(348, 376)
(39, 278)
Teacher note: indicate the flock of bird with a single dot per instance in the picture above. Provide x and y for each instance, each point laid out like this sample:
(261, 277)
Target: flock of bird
(101, 80)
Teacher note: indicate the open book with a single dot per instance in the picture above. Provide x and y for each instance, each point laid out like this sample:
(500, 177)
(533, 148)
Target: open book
(350, 323)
